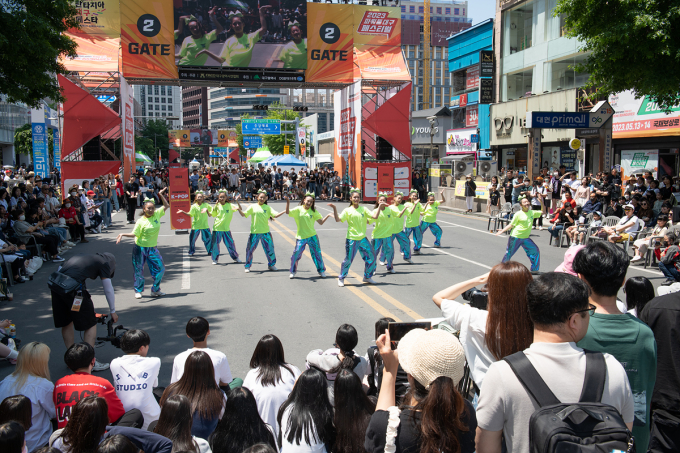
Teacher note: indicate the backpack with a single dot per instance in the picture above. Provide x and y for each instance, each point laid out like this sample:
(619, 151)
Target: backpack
(584, 427)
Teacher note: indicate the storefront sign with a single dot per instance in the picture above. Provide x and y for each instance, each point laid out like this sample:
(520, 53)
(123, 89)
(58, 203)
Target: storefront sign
(471, 116)
(486, 63)
(642, 117)
(420, 130)
(596, 118)
(607, 148)
(636, 161)
(587, 133)
(459, 141)
(472, 78)
(486, 91)
(568, 158)
(463, 100)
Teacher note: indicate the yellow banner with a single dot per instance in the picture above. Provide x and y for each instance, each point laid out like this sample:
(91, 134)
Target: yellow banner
(100, 18)
(225, 136)
(330, 45)
(481, 192)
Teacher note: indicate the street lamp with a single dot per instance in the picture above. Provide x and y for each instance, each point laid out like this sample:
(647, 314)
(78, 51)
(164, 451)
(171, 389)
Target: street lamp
(433, 130)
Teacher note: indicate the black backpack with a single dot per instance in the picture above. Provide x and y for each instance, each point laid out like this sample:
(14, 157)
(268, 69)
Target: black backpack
(584, 427)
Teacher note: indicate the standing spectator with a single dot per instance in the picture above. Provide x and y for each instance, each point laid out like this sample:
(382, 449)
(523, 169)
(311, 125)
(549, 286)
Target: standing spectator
(507, 186)
(12, 437)
(470, 192)
(639, 291)
(559, 308)
(131, 190)
(603, 267)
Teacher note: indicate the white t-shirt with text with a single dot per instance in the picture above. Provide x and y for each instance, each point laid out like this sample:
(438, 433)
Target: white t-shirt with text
(134, 378)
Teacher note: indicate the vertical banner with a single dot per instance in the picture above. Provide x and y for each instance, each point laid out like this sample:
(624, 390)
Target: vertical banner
(147, 39)
(183, 135)
(39, 135)
(179, 198)
(126, 106)
(330, 43)
(56, 139)
(347, 127)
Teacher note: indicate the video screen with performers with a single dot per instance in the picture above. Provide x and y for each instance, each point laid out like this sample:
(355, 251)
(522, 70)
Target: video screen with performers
(241, 34)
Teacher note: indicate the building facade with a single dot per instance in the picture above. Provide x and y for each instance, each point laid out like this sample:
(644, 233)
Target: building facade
(160, 101)
(194, 107)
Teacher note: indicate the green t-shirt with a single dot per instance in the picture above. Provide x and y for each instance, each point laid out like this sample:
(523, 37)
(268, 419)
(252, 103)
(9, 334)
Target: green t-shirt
(522, 222)
(259, 224)
(223, 214)
(199, 221)
(147, 228)
(305, 218)
(356, 222)
(295, 55)
(191, 46)
(632, 343)
(397, 222)
(384, 224)
(430, 214)
(237, 52)
(413, 220)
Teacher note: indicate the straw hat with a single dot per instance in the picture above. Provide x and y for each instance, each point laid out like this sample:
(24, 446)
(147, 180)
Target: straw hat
(429, 354)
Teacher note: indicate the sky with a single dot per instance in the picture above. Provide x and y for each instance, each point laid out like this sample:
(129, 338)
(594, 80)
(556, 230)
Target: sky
(480, 10)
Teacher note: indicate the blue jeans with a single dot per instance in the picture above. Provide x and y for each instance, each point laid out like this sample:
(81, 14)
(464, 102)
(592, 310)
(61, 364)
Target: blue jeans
(312, 188)
(669, 271)
(205, 236)
(555, 230)
(367, 253)
(267, 245)
(530, 248)
(154, 260)
(115, 202)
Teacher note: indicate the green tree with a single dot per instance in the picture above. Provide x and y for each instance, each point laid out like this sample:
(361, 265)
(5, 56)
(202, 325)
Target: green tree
(189, 153)
(155, 135)
(634, 45)
(275, 143)
(144, 145)
(23, 140)
(32, 38)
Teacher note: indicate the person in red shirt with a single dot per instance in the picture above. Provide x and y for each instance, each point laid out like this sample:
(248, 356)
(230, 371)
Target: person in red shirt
(70, 389)
(70, 215)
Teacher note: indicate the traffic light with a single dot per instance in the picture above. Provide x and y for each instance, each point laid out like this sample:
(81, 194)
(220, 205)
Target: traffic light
(260, 107)
(300, 108)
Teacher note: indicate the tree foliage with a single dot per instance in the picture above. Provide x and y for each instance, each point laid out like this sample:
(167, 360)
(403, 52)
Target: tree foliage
(23, 140)
(634, 45)
(275, 143)
(32, 38)
(153, 137)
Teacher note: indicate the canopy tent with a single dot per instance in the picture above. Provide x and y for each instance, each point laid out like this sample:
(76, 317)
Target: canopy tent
(260, 155)
(139, 157)
(283, 161)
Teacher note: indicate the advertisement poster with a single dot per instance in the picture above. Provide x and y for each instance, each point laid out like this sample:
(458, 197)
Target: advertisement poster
(330, 43)
(224, 136)
(146, 39)
(481, 192)
(199, 137)
(472, 116)
(128, 128)
(180, 137)
(179, 198)
(642, 117)
(100, 18)
(635, 162)
(243, 34)
(347, 105)
(377, 40)
(472, 78)
(568, 158)
(39, 134)
(459, 141)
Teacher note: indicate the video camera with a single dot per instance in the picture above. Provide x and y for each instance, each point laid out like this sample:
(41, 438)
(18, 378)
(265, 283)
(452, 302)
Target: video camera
(477, 298)
(112, 334)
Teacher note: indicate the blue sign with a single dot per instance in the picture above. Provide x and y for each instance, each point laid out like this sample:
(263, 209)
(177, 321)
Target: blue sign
(221, 151)
(250, 141)
(260, 127)
(57, 151)
(40, 154)
(474, 138)
(557, 120)
(106, 98)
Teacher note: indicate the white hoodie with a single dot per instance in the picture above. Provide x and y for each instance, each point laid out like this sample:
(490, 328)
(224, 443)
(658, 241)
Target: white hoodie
(328, 360)
(134, 378)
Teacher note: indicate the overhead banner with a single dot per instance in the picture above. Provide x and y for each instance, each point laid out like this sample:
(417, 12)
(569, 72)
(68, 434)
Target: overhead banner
(147, 39)
(100, 18)
(180, 138)
(642, 117)
(56, 144)
(179, 198)
(636, 162)
(330, 43)
(41, 160)
(224, 136)
(127, 105)
(202, 137)
(94, 54)
(347, 106)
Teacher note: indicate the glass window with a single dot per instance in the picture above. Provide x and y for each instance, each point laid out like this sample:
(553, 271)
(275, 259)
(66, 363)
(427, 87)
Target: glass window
(518, 24)
(439, 10)
(421, 9)
(169, 108)
(463, 11)
(411, 9)
(563, 75)
(155, 90)
(163, 90)
(438, 100)
(163, 108)
(403, 9)
(456, 11)
(447, 10)
(156, 100)
(156, 108)
(163, 100)
(420, 81)
(518, 85)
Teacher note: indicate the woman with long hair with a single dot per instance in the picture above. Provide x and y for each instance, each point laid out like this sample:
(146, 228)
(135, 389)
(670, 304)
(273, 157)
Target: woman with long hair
(223, 211)
(357, 218)
(639, 291)
(199, 212)
(85, 427)
(306, 417)
(31, 378)
(429, 214)
(353, 410)
(17, 408)
(503, 329)
(434, 417)
(342, 356)
(175, 423)
(241, 426)
(260, 214)
(270, 378)
(198, 385)
(305, 215)
(413, 209)
(145, 249)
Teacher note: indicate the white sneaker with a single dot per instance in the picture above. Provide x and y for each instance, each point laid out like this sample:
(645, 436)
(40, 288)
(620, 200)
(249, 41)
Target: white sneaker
(341, 282)
(292, 275)
(58, 259)
(238, 260)
(214, 262)
(382, 263)
(391, 271)
(247, 270)
(70, 244)
(322, 274)
(635, 258)
(416, 252)
(157, 293)
(98, 366)
(369, 280)
(540, 228)
(138, 295)
(272, 268)
(408, 260)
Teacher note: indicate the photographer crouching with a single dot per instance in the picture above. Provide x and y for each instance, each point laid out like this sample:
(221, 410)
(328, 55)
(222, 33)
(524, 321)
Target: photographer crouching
(72, 306)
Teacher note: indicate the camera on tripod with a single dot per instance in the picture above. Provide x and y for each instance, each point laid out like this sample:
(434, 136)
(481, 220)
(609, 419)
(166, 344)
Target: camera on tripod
(112, 333)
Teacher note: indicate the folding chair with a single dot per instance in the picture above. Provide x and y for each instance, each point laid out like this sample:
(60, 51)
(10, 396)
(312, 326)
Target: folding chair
(498, 216)
(610, 221)
(631, 237)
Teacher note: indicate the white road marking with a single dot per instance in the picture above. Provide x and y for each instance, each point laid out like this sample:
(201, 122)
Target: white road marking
(456, 256)
(186, 269)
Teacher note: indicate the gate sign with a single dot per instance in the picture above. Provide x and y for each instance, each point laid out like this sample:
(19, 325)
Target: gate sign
(250, 141)
(596, 118)
(261, 127)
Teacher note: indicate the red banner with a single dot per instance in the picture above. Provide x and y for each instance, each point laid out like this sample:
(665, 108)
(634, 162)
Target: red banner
(179, 198)
(472, 78)
(74, 173)
(472, 116)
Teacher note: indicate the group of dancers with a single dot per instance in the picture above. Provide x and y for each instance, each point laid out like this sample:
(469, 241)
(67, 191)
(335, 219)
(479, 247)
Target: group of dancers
(388, 220)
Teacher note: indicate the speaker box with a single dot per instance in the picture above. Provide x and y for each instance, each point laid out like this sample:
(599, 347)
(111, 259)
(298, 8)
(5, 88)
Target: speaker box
(92, 150)
(676, 214)
(383, 149)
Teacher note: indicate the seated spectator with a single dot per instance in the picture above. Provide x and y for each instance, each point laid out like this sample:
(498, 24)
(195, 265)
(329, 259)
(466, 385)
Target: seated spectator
(306, 417)
(12, 438)
(434, 416)
(627, 227)
(603, 267)
(241, 426)
(646, 213)
(565, 218)
(669, 257)
(16, 408)
(29, 234)
(614, 209)
(592, 205)
(198, 330)
(270, 379)
(175, 423)
(640, 246)
(662, 315)
(353, 410)
(198, 384)
(93, 213)
(70, 389)
(70, 216)
(488, 336)
(32, 379)
(559, 309)
(331, 361)
(376, 366)
(135, 375)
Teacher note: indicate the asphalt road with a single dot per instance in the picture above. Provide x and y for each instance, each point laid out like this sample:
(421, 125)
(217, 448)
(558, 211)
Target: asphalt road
(304, 312)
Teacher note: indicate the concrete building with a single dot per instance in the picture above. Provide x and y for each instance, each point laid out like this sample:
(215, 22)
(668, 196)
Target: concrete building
(160, 101)
(12, 116)
(194, 107)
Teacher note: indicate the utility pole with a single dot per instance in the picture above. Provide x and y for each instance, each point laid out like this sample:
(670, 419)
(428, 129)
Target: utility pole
(426, 57)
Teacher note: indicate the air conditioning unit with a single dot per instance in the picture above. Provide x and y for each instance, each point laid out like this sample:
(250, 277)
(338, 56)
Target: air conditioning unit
(487, 169)
(461, 169)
